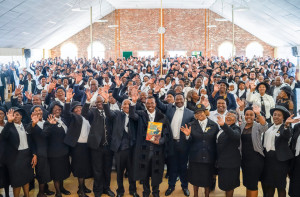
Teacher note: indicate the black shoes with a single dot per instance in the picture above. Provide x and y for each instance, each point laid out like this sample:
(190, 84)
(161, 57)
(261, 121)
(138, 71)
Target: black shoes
(134, 194)
(120, 195)
(58, 195)
(169, 191)
(186, 192)
(85, 189)
(109, 193)
(48, 192)
(64, 191)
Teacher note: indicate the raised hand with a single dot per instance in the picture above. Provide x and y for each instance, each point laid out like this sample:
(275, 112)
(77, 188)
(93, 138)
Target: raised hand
(157, 88)
(51, 119)
(252, 87)
(240, 102)
(216, 87)
(220, 121)
(118, 81)
(134, 95)
(28, 95)
(205, 81)
(35, 118)
(69, 95)
(18, 90)
(256, 109)
(204, 101)
(78, 78)
(186, 130)
(10, 115)
(291, 120)
(89, 95)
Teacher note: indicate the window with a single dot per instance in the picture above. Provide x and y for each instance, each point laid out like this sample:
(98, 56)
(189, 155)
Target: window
(69, 50)
(225, 50)
(254, 49)
(36, 55)
(98, 50)
(177, 53)
(146, 54)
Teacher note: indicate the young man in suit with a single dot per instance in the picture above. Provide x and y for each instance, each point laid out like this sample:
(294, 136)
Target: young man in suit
(178, 116)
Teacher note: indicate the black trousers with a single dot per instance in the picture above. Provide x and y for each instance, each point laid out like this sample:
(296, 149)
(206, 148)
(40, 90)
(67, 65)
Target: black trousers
(146, 183)
(101, 164)
(124, 161)
(2, 93)
(178, 167)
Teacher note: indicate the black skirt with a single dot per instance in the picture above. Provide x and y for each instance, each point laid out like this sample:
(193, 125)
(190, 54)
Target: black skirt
(229, 178)
(252, 163)
(200, 174)
(275, 171)
(42, 170)
(59, 168)
(4, 179)
(81, 161)
(294, 189)
(20, 170)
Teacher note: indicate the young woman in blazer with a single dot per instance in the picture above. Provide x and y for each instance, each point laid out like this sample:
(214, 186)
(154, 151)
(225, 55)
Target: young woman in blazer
(20, 154)
(202, 135)
(55, 129)
(294, 189)
(76, 138)
(229, 157)
(4, 180)
(252, 126)
(35, 128)
(277, 152)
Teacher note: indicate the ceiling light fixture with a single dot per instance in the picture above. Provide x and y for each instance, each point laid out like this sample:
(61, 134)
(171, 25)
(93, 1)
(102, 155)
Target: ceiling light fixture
(241, 9)
(52, 22)
(80, 9)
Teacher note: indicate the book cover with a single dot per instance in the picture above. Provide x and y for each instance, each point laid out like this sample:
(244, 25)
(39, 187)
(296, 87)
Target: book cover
(154, 131)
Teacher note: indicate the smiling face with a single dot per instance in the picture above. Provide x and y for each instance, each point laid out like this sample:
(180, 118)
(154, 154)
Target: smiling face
(125, 106)
(18, 117)
(39, 112)
(179, 100)
(56, 111)
(99, 103)
(200, 115)
(230, 119)
(77, 110)
(221, 106)
(249, 116)
(262, 89)
(278, 117)
(150, 104)
(2, 116)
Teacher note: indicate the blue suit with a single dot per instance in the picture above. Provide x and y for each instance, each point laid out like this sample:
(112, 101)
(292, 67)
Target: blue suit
(177, 163)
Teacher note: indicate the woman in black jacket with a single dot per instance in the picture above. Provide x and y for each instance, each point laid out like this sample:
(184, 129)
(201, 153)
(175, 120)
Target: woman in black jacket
(58, 152)
(229, 157)
(35, 128)
(4, 180)
(294, 189)
(202, 134)
(20, 154)
(277, 152)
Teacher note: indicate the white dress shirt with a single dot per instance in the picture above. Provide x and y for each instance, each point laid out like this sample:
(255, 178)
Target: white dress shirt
(61, 124)
(203, 124)
(269, 102)
(22, 136)
(270, 134)
(29, 86)
(297, 146)
(41, 124)
(151, 116)
(114, 106)
(85, 130)
(214, 115)
(126, 122)
(176, 122)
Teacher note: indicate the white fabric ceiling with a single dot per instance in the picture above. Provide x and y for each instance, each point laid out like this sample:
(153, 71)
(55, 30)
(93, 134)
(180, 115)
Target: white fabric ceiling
(29, 23)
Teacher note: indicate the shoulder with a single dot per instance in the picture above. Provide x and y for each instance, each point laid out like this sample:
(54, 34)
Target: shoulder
(211, 122)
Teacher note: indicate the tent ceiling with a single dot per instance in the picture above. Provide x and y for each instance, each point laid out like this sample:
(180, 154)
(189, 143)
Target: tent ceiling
(45, 24)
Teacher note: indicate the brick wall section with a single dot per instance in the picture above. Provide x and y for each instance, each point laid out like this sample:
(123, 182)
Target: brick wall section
(184, 31)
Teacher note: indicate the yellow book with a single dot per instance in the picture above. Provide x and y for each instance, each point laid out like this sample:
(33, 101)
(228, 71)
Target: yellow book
(154, 131)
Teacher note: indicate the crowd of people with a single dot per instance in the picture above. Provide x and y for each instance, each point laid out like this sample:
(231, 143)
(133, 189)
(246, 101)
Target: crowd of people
(216, 116)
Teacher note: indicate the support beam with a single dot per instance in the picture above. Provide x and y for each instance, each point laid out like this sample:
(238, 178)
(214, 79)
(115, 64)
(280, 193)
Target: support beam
(205, 25)
(161, 35)
(233, 53)
(91, 31)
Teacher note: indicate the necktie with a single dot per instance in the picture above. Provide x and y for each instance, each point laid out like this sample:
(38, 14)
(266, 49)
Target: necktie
(263, 109)
(105, 130)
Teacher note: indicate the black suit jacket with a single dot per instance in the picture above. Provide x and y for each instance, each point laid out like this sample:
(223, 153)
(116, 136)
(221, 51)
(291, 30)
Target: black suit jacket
(39, 139)
(97, 126)
(55, 136)
(169, 110)
(117, 119)
(282, 149)
(203, 144)
(11, 135)
(228, 144)
(74, 124)
(33, 86)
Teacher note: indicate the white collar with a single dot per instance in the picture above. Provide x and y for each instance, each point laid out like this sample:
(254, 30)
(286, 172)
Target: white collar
(180, 108)
(151, 114)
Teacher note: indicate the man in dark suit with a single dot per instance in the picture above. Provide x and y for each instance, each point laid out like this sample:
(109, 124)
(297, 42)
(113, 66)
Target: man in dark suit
(2, 84)
(123, 140)
(99, 140)
(29, 84)
(150, 153)
(178, 116)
